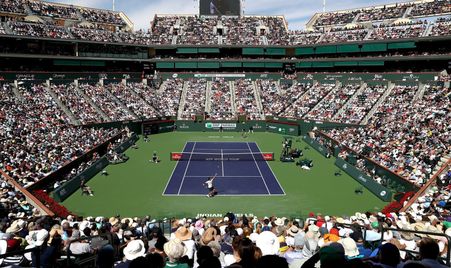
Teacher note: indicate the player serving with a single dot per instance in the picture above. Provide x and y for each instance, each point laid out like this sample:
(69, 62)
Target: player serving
(209, 184)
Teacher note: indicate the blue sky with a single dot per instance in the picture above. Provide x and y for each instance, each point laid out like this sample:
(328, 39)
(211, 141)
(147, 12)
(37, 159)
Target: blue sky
(297, 12)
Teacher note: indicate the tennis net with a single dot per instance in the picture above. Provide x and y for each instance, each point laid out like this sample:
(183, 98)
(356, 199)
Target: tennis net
(195, 156)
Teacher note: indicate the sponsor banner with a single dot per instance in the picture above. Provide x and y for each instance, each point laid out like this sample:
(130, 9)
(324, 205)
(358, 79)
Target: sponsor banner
(219, 125)
(377, 189)
(221, 215)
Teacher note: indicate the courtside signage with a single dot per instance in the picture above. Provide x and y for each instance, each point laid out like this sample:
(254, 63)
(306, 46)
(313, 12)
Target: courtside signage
(218, 125)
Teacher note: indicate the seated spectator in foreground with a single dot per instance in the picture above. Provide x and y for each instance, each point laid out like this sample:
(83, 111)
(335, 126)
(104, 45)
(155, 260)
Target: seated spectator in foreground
(429, 253)
(244, 253)
(175, 250)
(270, 261)
(388, 256)
(132, 251)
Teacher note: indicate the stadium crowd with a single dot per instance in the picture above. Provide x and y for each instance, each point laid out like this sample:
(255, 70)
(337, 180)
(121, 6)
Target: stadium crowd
(332, 103)
(407, 136)
(359, 240)
(307, 101)
(245, 99)
(395, 32)
(235, 31)
(221, 100)
(76, 103)
(195, 98)
(361, 104)
(129, 98)
(32, 118)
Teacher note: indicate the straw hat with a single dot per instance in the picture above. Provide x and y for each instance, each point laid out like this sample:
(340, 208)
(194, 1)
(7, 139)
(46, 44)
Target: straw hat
(183, 233)
(208, 236)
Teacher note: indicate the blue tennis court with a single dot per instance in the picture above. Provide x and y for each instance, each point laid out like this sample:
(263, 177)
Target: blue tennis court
(239, 166)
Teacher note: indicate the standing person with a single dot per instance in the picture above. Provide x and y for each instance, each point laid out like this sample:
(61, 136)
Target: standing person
(211, 189)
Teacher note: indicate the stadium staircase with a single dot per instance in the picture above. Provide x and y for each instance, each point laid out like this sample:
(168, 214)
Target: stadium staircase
(120, 103)
(28, 10)
(17, 93)
(88, 99)
(320, 39)
(133, 92)
(356, 18)
(428, 30)
(72, 118)
(346, 105)
(208, 98)
(232, 97)
(294, 100)
(162, 87)
(370, 114)
(258, 100)
(368, 35)
(8, 30)
(407, 12)
(182, 100)
(420, 92)
(337, 87)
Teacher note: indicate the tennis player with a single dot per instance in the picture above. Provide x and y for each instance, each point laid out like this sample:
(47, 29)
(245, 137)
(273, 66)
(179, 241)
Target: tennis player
(211, 189)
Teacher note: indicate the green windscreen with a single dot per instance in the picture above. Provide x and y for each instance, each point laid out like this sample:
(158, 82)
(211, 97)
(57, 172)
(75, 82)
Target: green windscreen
(326, 50)
(165, 65)
(374, 47)
(231, 64)
(253, 64)
(345, 63)
(208, 65)
(253, 51)
(401, 45)
(371, 63)
(348, 48)
(304, 64)
(322, 64)
(186, 50)
(275, 51)
(186, 65)
(273, 64)
(208, 50)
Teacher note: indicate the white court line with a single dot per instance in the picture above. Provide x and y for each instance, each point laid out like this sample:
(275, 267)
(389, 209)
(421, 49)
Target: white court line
(172, 174)
(224, 195)
(217, 149)
(186, 169)
(272, 173)
(222, 162)
(259, 171)
(223, 176)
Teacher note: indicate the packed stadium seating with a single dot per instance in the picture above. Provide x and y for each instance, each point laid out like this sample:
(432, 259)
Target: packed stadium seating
(252, 30)
(401, 130)
(404, 127)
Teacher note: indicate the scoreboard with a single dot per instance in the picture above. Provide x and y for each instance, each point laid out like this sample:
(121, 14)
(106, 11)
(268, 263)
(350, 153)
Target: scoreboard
(220, 7)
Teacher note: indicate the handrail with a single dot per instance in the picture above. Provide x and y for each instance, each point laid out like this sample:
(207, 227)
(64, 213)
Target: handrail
(423, 189)
(36, 250)
(31, 198)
